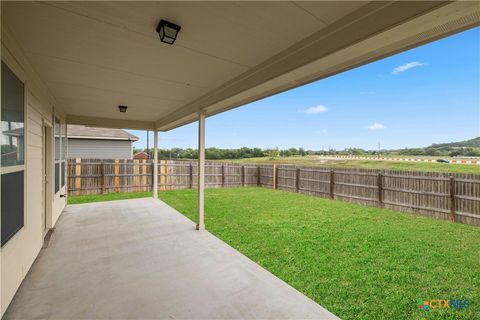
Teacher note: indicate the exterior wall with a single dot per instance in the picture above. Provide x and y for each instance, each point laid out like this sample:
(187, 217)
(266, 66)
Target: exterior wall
(19, 253)
(99, 149)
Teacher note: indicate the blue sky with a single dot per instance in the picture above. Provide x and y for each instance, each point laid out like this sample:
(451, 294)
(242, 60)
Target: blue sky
(426, 95)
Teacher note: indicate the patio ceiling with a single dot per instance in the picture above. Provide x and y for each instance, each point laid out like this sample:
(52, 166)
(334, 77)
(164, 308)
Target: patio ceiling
(94, 56)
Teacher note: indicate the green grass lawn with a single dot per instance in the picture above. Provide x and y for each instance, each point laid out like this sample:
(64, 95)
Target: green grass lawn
(357, 261)
(366, 164)
(107, 197)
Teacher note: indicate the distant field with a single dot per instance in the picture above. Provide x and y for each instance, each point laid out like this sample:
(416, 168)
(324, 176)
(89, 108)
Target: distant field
(366, 164)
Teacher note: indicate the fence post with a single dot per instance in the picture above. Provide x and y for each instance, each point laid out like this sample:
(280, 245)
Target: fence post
(136, 171)
(332, 184)
(274, 176)
(163, 175)
(259, 181)
(243, 176)
(191, 175)
(144, 177)
(380, 190)
(116, 179)
(452, 198)
(223, 175)
(78, 176)
(297, 180)
(153, 173)
(102, 171)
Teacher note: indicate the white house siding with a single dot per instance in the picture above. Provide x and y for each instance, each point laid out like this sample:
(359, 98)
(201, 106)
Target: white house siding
(99, 149)
(19, 253)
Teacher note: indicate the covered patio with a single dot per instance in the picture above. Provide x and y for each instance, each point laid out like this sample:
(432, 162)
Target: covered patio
(102, 64)
(141, 259)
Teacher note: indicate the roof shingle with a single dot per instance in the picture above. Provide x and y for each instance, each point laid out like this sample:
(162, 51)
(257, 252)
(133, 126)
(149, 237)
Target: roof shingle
(83, 132)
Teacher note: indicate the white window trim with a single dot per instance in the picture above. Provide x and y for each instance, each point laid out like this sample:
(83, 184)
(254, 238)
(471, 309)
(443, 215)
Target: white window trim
(11, 169)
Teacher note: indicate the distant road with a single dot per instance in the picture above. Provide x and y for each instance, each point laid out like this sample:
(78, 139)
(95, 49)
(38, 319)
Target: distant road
(451, 161)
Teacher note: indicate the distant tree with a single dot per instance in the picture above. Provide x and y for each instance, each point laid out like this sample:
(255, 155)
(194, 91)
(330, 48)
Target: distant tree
(272, 153)
(355, 151)
(257, 152)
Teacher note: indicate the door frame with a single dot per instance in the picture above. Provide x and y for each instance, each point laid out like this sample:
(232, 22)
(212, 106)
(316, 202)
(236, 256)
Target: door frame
(48, 177)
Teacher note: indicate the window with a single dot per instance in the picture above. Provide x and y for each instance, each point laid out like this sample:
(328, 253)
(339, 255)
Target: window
(58, 154)
(12, 153)
(64, 153)
(12, 119)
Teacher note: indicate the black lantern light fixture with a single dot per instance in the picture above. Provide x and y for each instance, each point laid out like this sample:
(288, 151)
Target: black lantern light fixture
(122, 108)
(168, 31)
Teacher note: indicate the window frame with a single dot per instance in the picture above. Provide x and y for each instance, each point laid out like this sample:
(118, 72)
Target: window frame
(62, 152)
(63, 178)
(57, 179)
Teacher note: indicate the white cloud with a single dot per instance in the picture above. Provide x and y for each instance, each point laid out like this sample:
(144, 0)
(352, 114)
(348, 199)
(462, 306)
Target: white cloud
(405, 67)
(376, 126)
(315, 110)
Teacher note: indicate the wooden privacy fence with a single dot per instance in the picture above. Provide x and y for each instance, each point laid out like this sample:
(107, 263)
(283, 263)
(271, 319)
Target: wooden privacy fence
(440, 195)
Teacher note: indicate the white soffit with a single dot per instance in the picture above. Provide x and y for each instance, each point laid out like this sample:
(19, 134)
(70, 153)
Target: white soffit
(94, 56)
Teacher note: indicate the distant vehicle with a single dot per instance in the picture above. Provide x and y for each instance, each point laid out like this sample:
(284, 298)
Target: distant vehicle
(443, 160)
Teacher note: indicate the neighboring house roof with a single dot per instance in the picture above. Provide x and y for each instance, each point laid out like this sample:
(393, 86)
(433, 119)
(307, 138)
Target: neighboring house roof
(141, 155)
(83, 132)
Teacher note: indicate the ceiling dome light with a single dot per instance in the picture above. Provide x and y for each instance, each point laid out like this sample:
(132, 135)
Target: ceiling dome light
(122, 108)
(168, 31)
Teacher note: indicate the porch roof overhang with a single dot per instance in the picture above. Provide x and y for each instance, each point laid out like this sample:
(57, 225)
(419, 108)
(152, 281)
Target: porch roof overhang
(94, 56)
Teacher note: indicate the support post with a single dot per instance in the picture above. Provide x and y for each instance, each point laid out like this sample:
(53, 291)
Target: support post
(274, 176)
(116, 178)
(259, 176)
(136, 171)
(78, 176)
(152, 165)
(380, 190)
(102, 171)
(297, 180)
(163, 175)
(191, 175)
(453, 204)
(201, 171)
(243, 176)
(155, 164)
(223, 176)
(332, 184)
(144, 175)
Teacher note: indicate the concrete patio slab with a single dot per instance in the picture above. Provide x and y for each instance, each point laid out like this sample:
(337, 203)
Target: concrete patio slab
(141, 259)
